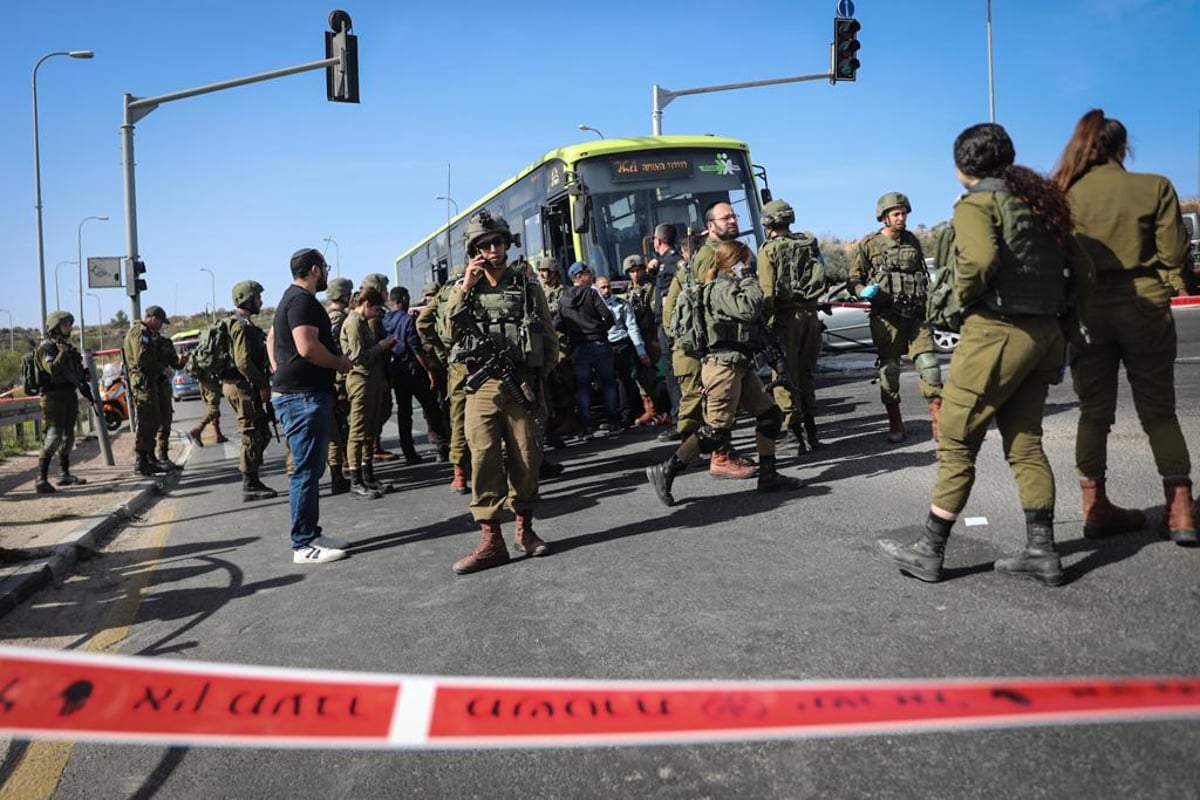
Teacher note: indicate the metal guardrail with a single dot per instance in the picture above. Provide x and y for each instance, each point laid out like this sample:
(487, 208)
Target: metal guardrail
(15, 413)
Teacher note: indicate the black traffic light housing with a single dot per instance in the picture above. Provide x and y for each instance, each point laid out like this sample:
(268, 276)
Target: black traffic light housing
(134, 283)
(845, 48)
(341, 79)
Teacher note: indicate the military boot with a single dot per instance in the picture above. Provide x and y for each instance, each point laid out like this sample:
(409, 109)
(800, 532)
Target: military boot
(254, 489)
(145, 465)
(935, 415)
(896, 433)
(359, 488)
(729, 465)
(490, 552)
(923, 558)
(549, 469)
(368, 476)
(443, 451)
(1100, 517)
(194, 435)
(65, 478)
(1181, 513)
(458, 484)
(166, 463)
(810, 430)
(769, 479)
(661, 476)
(1038, 561)
(338, 482)
(796, 436)
(42, 484)
(526, 541)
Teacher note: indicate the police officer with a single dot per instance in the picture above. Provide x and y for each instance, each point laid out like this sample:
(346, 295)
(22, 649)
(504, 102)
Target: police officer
(641, 298)
(433, 328)
(502, 431)
(1014, 246)
(149, 376)
(61, 374)
(381, 387)
(337, 293)
(889, 271)
(247, 387)
(735, 332)
(791, 273)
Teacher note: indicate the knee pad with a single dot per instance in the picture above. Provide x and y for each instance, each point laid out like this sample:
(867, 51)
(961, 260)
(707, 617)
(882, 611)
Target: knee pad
(712, 439)
(770, 422)
(929, 367)
(889, 374)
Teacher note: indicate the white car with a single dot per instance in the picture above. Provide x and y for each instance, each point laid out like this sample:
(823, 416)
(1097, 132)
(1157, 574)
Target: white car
(846, 325)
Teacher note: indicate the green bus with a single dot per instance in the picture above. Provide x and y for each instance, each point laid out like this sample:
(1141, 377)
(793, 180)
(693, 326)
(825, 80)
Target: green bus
(599, 201)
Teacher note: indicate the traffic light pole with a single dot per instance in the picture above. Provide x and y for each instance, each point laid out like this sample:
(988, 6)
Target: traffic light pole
(663, 97)
(136, 108)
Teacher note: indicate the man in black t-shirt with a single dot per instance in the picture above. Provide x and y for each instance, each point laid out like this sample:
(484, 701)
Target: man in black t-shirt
(306, 358)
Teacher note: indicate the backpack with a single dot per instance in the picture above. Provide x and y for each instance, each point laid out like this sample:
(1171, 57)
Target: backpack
(687, 320)
(35, 379)
(213, 356)
(942, 309)
(800, 266)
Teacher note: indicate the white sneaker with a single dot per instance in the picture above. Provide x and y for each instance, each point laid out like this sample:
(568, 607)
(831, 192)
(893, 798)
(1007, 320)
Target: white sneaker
(316, 553)
(331, 542)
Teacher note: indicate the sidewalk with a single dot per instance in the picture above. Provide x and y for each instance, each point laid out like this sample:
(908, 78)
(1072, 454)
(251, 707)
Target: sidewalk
(40, 535)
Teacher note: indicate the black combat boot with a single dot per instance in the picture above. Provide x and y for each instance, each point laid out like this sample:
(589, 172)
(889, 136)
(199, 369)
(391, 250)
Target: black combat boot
(166, 463)
(810, 430)
(42, 484)
(796, 436)
(254, 489)
(549, 469)
(147, 466)
(923, 558)
(1038, 561)
(383, 487)
(661, 476)
(338, 482)
(361, 489)
(769, 479)
(65, 478)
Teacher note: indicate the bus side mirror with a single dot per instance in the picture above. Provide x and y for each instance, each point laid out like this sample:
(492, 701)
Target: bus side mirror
(765, 194)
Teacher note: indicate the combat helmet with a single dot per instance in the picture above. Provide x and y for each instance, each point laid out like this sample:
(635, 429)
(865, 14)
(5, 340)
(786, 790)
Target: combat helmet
(482, 223)
(339, 289)
(777, 213)
(56, 318)
(635, 261)
(889, 201)
(245, 291)
(376, 280)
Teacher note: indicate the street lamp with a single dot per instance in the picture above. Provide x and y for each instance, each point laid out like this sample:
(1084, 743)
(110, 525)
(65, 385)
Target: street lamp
(448, 200)
(79, 244)
(583, 127)
(991, 74)
(37, 172)
(212, 278)
(337, 265)
(57, 302)
(11, 347)
(99, 319)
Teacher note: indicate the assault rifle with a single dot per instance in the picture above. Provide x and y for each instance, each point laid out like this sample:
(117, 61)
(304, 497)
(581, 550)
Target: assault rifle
(269, 408)
(487, 360)
(775, 357)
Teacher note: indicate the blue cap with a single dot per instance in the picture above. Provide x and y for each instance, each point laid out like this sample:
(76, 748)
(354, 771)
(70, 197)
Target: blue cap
(577, 268)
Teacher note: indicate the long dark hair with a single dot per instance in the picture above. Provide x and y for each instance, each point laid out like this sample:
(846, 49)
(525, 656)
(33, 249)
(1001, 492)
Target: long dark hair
(986, 151)
(1095, 140)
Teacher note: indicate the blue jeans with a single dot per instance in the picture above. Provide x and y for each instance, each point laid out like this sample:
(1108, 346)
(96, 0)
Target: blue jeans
(596, 357)
(306, 419)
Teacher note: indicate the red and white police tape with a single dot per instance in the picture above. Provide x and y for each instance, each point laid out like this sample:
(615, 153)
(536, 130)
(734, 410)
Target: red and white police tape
(85, 697)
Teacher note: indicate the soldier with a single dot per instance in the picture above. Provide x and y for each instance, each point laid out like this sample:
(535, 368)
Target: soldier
(791, 273)
(889, 271)
(736, 331)
(722, 225)
(661, 271)
(502, 431)
(1130, 225)
(367, 355)
(148, 371)
(247, 387)
(559, 389)
(338, 294)
(210, 393)
(1014, 249)
(166, 402)
(61, 374)
(434, 333)
(641, 296)
(382, 386)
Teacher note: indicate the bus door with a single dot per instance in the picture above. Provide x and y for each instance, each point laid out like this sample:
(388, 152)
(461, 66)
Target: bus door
(556, 230)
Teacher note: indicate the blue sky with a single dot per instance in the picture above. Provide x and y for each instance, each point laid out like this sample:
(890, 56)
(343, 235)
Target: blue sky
(235, 181)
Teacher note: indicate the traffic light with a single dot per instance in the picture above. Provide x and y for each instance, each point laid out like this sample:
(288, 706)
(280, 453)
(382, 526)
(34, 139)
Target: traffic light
(134, 283)
(845, 48)
(341, 79)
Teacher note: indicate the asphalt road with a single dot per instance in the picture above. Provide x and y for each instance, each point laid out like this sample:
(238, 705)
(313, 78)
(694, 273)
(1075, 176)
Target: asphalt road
(728, 584)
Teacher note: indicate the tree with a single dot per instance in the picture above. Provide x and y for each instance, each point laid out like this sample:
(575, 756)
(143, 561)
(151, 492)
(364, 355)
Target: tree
(120, 319)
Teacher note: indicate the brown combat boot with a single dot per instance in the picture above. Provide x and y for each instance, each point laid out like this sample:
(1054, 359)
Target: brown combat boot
(490, 552)
(1101, 518)
(731, 466)
(1181, 513)
(935, 414)
(648, 412)
(526, 541)
(458, 484)
(896, 433)
(194, 435)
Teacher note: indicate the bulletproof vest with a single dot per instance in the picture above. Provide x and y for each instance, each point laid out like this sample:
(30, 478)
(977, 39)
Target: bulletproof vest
(898, 267)
(726, 325)
(70, 366)
(337, 316)
(1032, 277)
(799, 272)
(504, 314)
(255, 339)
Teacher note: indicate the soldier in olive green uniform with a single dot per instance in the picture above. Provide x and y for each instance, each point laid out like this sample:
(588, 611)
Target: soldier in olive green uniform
(338, 294)
(437, 368)
(1131, 227)
(736, 333)
(210, 394)
(248, 387)
(166, 401)
(367, 355)
(722, 227)
(559, 390)
(434, 331)
(791, 274)
(503, 432)
(149, 374)
(889, 270)
(1013, 286)
(61, 374)
(640, 296)
(381, 387)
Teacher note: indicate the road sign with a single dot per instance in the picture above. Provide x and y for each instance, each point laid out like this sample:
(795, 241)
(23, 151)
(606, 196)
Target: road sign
(845, 8)
(104, 272)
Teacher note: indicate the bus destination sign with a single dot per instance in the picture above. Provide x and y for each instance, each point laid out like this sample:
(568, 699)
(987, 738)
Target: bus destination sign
(651, 166)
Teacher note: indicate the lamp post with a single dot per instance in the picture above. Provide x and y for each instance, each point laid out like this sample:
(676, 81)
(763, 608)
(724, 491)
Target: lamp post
(99, 319)
(37, 172)
(991, 75)
(583, 127)
(213, 279)
(79, 244)
(337, 264)
(11, 346)
(57, 302)
(449, 200)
